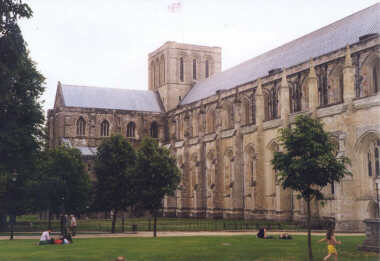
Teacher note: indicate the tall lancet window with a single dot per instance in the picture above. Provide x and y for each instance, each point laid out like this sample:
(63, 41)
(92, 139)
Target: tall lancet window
(207, 69)
(104, 129)
(194, 69)
(81, 127)
(181, 70)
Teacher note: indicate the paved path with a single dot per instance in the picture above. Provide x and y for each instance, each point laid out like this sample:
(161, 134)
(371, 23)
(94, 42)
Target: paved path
(182, 234)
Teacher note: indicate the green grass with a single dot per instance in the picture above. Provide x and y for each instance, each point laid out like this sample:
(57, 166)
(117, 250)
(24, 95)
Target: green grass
(220, 248)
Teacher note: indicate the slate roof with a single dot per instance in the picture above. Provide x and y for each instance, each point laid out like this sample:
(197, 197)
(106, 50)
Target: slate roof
(87, 151)
(110, 98)
(323, 41)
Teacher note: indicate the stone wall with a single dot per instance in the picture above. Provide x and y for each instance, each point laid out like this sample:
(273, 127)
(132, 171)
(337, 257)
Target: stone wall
(233, 170)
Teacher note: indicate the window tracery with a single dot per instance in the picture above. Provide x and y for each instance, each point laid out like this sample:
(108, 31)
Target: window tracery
(104, 129)
(131, 129)
(81, 127)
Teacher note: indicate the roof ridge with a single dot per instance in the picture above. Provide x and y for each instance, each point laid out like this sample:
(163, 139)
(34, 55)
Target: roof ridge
(102, 87)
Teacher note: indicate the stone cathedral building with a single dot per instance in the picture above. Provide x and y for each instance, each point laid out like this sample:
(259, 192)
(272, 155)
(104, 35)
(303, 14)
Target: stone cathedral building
(222, 125)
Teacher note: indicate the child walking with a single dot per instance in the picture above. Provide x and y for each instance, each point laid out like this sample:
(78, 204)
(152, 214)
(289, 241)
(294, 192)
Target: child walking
(331, 242)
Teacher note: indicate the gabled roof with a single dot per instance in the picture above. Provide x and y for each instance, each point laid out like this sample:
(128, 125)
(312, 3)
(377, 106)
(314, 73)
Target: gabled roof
(323, 41)
(109, 98)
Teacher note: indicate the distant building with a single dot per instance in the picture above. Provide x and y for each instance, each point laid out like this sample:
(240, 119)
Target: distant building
(221, 126)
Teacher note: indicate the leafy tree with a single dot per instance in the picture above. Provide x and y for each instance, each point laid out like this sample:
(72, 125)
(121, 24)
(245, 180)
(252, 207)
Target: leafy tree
(308, 162)
(63, 184)
(21, 115)
(157, 175)
(114, 167)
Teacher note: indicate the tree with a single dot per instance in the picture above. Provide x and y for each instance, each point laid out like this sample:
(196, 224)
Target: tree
(21, 115)
(308, 162)
(63, 185)
(114, 167)
(157, 175)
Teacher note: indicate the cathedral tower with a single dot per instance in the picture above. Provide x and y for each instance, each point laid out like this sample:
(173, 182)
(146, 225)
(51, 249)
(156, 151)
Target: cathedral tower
(175, 67)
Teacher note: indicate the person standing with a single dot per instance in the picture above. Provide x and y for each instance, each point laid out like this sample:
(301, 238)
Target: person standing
(331, 243)
(73, 224)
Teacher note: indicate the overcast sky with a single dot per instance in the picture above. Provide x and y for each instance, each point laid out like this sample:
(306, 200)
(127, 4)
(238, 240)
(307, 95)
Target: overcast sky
(106, 43)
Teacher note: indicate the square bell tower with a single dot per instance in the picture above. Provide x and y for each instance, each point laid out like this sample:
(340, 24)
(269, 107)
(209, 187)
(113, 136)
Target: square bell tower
(175, 67)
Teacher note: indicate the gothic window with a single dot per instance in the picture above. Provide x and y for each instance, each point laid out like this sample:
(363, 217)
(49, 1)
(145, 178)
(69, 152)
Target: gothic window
(210, 120)
(131, 127)
(154, 130)
(181, 70)
(323, 86)
(207, 69)
(272, 103)
(162, 70)
(250, 110)
(369, 163)
(157, 74)
(367, 75)
(253, 108)
(251, 167)
(104, 129)
(296, 94)
(376, 76)
(194, 69)
(228, 171)
(373, 158)
(81, 127)
(335, 85)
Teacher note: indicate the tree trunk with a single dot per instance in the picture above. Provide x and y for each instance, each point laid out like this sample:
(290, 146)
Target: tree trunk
(309, 230)
(49, 219)
(114, 221)
(155, 225)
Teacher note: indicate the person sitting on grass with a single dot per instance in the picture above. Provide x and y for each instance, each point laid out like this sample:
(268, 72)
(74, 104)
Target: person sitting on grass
(331, 242)
(262, 233)
(45, 238)
(285, 235)
(67, 239)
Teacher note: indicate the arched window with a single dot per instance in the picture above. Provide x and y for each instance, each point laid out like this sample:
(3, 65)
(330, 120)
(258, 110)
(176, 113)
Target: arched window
(373, 156)
(181, 70)
(131, 129)
(154, 130)
(253, 108)
(228, 171)
(250, 109)
(376, 76)
(104, 129)
(323, 85)
(296, 94)
(162, 70)
(207, 69)
(194, 69)
(81, 127)
(210, 121)
(272, 103)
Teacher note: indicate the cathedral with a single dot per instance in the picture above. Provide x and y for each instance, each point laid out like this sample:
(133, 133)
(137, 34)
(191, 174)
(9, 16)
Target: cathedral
(221, 126)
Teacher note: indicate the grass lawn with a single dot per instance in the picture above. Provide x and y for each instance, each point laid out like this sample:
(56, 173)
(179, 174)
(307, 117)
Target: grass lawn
(218, 248)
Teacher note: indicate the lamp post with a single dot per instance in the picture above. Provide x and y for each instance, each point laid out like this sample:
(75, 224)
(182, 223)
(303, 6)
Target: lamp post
(11, 194)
